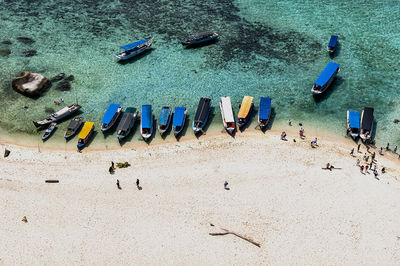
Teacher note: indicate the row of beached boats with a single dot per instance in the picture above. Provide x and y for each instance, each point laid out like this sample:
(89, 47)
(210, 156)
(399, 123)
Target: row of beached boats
(363, 127)
(168, 118)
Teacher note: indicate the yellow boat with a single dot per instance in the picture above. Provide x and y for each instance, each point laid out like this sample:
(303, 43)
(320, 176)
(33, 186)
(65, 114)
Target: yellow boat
(245, 110)
(84, 135)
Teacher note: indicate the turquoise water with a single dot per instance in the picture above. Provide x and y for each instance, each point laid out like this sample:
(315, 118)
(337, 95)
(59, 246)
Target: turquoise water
(267, 48)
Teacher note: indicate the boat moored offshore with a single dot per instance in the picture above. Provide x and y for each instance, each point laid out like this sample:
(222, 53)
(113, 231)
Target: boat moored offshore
(367, 123)
(332, 44)
(325, 79)
(245, 110)
(134, 49)
(201, 116)
(110, 116)
(200, 38)
(353, 123)
(228, 118)
(264, 112)
(85, 134)
(146, 122)
(59, 115)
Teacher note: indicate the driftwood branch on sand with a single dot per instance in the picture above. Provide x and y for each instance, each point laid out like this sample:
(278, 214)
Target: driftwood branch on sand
(226, 232)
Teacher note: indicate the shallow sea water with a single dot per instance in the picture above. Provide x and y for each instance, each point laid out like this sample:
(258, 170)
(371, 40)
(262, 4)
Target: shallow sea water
(267, 48)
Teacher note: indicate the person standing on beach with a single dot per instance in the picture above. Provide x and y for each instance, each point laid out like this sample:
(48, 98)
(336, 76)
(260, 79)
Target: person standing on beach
(373, 156)
(381, 151)
(301, 132)
(358, 147)
(366, 168)
(226, 185)
(375, 173)
(395, 149)
(352, 152)
(118, 186)
(137, 182)
(358, 162)
(387, 146)
(290, 122)
(362, 168)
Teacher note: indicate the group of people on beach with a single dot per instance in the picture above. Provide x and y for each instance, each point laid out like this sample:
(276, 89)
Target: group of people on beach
(369, 163)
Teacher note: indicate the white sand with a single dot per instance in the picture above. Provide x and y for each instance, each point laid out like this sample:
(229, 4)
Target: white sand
(279, 196)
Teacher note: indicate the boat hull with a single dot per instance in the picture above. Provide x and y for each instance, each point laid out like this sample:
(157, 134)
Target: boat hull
(49, 131)
(72, 131)
(199, 42)
(178, 129)
(122, 136)
(123, 56)
(326, 86)
(199, 129)
(243, 121)
(47, 121)
(105, 127)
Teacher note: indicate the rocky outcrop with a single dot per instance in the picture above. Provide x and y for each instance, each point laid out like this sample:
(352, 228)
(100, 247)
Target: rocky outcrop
(31, 84)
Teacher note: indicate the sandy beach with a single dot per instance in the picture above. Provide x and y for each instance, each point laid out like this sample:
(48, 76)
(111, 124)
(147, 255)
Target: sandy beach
(278, 197)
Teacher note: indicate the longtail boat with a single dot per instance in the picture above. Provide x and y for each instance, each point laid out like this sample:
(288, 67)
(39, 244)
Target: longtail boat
(367, 123)
(325, 79)
(227, 114)
(85, 134)
(245, 110)
(59, 115)
(179, 119)
(73, 127)
(110, 116)
(200, 38)
(126, 124)
(201, 116)
(264, 111)
(49, 131)
(146, 122)
(353, 123)
(134, 49)
(165, 119)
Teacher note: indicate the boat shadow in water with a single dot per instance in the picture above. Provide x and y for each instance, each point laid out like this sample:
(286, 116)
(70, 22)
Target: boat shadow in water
(195, 46)
(184, 129)
(136, 58)
(335, 84)
(270, 122)
(253, 116)
(211, 116)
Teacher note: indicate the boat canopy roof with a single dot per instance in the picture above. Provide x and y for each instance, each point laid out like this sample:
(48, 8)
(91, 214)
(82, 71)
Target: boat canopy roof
(227, 109)
(126, 121)
(110, 112)
(368, 118)
(147, 116)
(333, 41)
(179, 114)
(133, 45)
(354, 119)
(60, 112)
(203, 109)
(245, 107)
(87, 127)
(265, 108)
(165, 112)
(74, 123)
(329, 70)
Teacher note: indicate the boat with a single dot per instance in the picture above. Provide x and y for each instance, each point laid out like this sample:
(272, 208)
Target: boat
(200, 38)
(353, 123)
(49, 131)
(367, 123)
(73, 127)
(85, 134)
(59, 115)
(127, 122)
(179, 119)
(332, 44)
(110, 116)
(201, 116)
(227, 114)
(264, 112)
(134, 49)
(146, 123)
(325, 79)
(245, 110)
(165, 119)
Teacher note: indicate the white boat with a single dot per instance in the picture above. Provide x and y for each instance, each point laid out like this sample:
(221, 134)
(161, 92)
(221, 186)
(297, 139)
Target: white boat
(146, 122)
(134, 49)
(59, 115)
(228, 118)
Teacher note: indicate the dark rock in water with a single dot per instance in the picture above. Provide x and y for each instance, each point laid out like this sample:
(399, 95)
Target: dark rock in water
(70, 78)
(49, 110)
(6, 153)
(29, 53)
(63, 86)
(26, 40)
(396, 121)
(31, 84)
(58, 77)
(5, 52)
(25, 107)
(7, 42)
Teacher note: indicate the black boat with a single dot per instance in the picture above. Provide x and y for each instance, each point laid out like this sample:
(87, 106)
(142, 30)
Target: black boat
(73, 127)
(200, 38)
(367, 123)
(126, 124)
(201, 116)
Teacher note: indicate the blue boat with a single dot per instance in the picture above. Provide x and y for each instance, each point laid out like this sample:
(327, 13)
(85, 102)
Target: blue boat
(134, 49)
(264, 111)
(110, 116)
(146, 123)
(200, 38)
(201, 116)
(332, 44)
(325, 79)
(179, 120)
(353, 123)
(165, 119)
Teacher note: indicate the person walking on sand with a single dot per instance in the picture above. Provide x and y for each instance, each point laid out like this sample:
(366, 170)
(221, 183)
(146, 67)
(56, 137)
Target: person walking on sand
(358, 147)
(352, 152)
(387, 146)
(381, 151)
(118, 186)
(383, 170)
(395, 149)
(226, 185)
(358, 162)
(366, 168)
(112, 165)
(362, 168)
(290, 122)
(283, 135)
(301, 132)
(373, 156)
(137, 183)
(375, 173)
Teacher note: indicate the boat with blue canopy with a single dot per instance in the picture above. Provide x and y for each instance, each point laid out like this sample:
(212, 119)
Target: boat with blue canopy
(179, 119)
(134, 49)
(165, 119)
(146, 123)
(367, 123)
(127, 122)
(245, 110)
(264, 111)
(332, 44)
(353, 123)
(110, 116)
(201, 116)
(325, 79)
